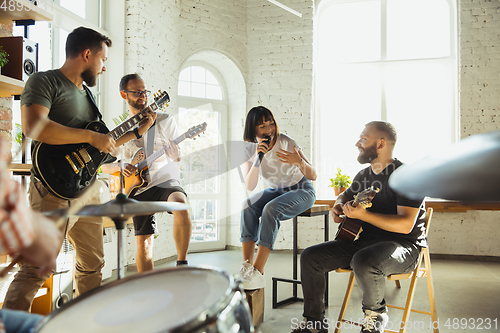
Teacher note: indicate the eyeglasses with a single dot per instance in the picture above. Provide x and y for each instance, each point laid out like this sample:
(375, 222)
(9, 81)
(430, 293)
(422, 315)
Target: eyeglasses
(138, 93)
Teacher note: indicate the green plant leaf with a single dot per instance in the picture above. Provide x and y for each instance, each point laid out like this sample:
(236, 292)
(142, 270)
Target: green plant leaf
(340, 180)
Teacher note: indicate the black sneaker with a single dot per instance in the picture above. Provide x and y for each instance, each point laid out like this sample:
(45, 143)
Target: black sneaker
(309, 326)
(374, 322)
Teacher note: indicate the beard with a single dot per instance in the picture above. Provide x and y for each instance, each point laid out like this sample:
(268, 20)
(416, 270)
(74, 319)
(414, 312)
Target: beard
(136, 105)
(368, 154)
(89, 77)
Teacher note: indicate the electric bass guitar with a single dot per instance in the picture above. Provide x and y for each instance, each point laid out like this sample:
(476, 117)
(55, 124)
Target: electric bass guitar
(350, 228)
(67, 170)
(139, 179)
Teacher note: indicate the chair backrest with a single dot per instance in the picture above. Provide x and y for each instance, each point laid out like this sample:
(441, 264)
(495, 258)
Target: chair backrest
(427, 220)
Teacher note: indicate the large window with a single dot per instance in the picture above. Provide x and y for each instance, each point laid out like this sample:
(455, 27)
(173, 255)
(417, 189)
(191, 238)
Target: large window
(201, 99)
(392, 60)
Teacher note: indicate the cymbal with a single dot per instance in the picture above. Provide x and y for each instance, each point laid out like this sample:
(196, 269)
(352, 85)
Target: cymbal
(466, 171)
(123, 208)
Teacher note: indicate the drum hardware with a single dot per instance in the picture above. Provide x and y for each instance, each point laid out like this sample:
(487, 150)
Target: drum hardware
(175, 300)
(466, 171)
(120, 210)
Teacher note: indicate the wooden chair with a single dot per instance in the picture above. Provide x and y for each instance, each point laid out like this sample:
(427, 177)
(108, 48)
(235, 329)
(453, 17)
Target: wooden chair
(420, 271)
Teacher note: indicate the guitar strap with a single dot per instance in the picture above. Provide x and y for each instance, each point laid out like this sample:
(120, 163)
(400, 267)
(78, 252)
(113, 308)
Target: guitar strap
(151, 140)
(94, 104)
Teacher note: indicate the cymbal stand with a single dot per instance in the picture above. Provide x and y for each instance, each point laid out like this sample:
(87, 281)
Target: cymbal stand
(120, 223)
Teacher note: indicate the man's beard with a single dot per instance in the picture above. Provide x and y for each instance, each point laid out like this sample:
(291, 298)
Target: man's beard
(136, 105)
(368, 154)
(89, 77)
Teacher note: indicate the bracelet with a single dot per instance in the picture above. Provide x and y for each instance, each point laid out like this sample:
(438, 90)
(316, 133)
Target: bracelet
(136, 132)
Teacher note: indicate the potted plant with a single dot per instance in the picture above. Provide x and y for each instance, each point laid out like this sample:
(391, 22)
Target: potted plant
(3, 57)
(340, 183)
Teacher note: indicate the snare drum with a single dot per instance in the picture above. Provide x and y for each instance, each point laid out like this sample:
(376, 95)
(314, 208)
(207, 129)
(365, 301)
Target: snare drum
(183, 299)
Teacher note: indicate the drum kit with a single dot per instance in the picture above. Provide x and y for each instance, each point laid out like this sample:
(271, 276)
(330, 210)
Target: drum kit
(182, 299)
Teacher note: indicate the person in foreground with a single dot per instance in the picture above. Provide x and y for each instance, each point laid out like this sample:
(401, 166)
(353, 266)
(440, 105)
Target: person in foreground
(25, 235)
(393, 232)
(280, 161)
(163, 177)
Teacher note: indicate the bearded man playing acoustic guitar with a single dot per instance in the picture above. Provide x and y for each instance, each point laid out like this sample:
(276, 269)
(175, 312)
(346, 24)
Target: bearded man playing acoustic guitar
(162, 181)
(392, 234)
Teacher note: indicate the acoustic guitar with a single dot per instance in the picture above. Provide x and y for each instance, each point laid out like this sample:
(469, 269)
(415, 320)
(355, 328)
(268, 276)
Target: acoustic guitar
(139, 179)
(67, 170)
(350, 228)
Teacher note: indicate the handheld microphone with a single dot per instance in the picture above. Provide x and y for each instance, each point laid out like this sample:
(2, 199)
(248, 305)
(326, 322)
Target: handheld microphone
(268, 141)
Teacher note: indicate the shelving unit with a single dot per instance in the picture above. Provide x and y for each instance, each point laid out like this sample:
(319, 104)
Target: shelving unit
(28, 12)
(23, 10)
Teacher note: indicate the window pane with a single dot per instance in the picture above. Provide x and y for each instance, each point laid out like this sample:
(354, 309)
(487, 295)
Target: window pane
(198, 90)
(185, 75)
(418, 29)
(420, 106)
(211, 79)
(350, 32)
(214, 92)
(87, 9)
(198, 74)
(184, 88)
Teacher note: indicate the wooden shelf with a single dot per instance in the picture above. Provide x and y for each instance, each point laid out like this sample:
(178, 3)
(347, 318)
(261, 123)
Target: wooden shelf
(10, 86)
(27, 12)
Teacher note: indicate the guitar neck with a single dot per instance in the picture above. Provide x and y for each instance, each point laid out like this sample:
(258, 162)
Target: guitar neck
(130, 123)
(153, 157)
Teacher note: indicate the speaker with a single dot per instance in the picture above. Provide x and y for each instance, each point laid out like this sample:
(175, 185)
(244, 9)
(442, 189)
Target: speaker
(62, 285)
(23, 57)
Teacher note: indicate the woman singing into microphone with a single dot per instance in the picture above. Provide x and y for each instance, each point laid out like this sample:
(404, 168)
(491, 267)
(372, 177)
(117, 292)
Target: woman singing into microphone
(281, 163)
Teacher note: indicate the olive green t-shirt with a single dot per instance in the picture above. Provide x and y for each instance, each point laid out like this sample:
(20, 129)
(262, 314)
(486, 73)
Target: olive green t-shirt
(68, 105)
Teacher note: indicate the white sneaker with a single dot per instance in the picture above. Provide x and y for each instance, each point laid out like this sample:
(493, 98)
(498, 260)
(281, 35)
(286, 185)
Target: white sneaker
(245, 268)
(253, 280)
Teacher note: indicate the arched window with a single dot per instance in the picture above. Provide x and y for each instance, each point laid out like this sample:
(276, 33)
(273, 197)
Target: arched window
(201, 99)
(392, 60)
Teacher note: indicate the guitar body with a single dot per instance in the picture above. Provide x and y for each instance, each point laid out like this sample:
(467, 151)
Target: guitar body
(349, 230)
(134, 182)
(67, 170)
(131, 183)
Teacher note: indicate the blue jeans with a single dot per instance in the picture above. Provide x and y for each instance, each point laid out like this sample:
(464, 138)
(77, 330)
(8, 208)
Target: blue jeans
(19, 321)
(273, 206)
(371, 261)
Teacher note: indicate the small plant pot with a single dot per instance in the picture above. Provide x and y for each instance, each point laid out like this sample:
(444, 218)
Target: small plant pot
(339, 190)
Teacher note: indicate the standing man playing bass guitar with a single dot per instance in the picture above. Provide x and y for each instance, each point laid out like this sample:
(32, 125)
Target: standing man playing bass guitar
(393, 233)
(162, 178)
(55, 108)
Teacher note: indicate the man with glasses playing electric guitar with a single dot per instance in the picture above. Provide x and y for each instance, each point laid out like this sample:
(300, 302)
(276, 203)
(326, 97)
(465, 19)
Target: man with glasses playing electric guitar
(159, 181)
(392, 234)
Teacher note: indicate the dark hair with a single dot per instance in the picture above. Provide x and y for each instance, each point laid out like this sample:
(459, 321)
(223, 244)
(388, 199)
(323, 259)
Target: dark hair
(256, 116)
(125, 80)
(82, 39)
(386, 128)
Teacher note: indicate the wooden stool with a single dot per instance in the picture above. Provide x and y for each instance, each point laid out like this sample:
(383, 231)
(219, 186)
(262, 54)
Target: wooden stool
(315, 210)
(255, 299)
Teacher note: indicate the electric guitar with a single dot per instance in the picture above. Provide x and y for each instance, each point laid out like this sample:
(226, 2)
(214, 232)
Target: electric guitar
(139, 179)
(350, 228)
(67, 170)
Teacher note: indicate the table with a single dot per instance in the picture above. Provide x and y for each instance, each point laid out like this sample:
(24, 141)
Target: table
(315, 210)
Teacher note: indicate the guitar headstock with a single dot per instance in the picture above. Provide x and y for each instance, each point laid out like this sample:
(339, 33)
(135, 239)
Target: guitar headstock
(161, 99)
(365, 197)
(195, 130)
